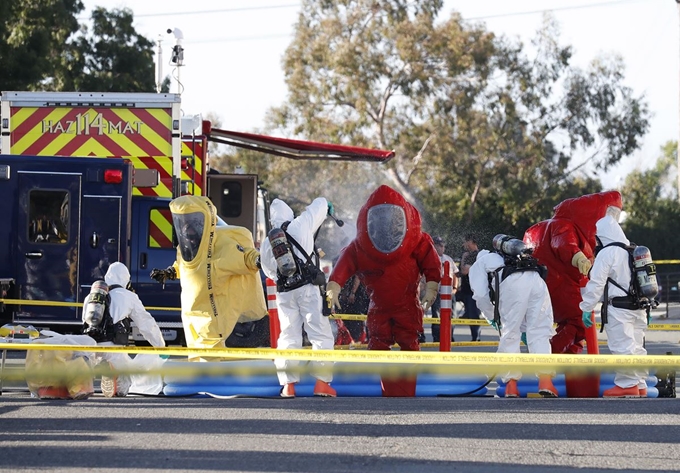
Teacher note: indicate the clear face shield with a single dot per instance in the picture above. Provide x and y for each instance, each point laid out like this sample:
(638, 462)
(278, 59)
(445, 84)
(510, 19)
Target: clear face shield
(189, 228)
(386, 227)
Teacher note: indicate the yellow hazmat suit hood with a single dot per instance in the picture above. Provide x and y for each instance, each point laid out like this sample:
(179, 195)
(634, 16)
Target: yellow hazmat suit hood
(218, 273)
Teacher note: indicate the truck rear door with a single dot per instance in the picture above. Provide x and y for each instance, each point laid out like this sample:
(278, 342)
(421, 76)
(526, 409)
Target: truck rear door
(48, 229)
(102, 230)
(151, 248)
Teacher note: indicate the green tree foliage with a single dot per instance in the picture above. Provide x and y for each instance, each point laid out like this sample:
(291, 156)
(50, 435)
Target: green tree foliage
(42, 47)
(485, 132)
(113, 57)
(32, 38)
(650, 199)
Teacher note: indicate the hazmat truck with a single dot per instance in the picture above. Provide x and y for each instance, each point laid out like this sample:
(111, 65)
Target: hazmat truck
(69, 215)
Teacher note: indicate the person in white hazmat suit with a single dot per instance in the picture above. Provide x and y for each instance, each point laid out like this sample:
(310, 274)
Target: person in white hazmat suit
(625, 327)
(523, 303)
(218, 268)
(302, 305)
(125, 304)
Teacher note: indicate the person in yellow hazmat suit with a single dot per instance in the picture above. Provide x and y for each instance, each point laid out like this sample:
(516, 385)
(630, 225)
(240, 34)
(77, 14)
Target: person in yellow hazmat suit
(217, 266)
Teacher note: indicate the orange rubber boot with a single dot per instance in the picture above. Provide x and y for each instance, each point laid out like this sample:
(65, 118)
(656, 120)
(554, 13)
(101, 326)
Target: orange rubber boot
(322, 388)
(511, 389)
(546, 388)
(288, 390)
(618, 391)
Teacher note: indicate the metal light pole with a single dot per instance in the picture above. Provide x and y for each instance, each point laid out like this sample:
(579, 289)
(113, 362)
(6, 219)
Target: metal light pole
(678, 157)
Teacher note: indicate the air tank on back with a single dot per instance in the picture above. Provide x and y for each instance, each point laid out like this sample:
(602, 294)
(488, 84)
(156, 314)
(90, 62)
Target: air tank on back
(508, 245)
(645, 272)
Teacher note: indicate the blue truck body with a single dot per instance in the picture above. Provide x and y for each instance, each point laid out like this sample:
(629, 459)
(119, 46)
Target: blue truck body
(65, 221)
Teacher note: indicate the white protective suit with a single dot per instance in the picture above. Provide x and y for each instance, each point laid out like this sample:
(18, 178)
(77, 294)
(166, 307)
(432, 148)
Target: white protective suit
(524, 302)
(126, 304)
(625, 328)
(302, 305)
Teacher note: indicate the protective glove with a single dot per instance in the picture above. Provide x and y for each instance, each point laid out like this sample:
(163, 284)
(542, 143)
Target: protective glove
(332, 293)
(158, 275)
(524, 338)
(582, 263)
(331, 209)
(252, 259)
(161, 275)
(164, 357)
(431, 291)
(587, 319)
(493, 323)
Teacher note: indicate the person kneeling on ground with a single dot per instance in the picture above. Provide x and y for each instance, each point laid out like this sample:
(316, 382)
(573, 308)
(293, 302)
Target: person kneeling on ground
(125, 306)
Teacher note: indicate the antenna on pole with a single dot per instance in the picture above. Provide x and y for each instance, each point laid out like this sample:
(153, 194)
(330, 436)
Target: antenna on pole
(159, 65)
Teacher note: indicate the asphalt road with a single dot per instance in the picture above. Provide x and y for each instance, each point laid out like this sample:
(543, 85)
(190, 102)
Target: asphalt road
(487, 434)
(339, 435)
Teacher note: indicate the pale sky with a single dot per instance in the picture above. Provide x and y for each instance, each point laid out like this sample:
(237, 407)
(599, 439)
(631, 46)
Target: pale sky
(233, 51)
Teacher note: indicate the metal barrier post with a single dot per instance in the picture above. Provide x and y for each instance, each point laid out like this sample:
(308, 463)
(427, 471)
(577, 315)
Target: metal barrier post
(2, 369)
(445, 292)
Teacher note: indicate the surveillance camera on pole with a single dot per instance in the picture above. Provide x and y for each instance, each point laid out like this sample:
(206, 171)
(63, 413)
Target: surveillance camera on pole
(177, 57)
(177, 49)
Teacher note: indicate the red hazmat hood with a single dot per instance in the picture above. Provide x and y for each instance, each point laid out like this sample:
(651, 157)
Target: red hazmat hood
(298, 149)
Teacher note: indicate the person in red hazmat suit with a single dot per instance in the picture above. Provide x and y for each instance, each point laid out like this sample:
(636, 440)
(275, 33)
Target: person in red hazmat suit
(565, 244)
(389, 253)
(218, 269)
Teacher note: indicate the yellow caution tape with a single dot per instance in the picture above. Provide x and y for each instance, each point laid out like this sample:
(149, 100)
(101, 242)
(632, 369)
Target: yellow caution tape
(360, 346)
(348, 317)
(67, 304)
(436, 320)
(41, 303)
(506, 360)
(347, 361)
(667, 261)
(426, 320)
(430, 320)
(656, 327)
(664, 327)
(460, 344)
